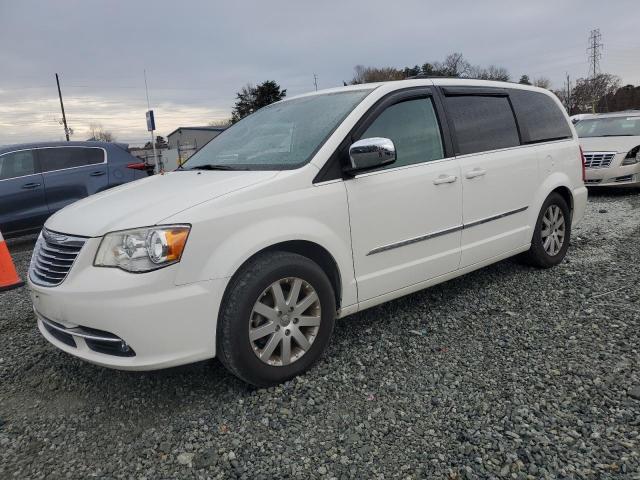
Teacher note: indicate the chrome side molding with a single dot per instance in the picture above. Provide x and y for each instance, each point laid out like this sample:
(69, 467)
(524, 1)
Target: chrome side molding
(446, 231)
(410, 241)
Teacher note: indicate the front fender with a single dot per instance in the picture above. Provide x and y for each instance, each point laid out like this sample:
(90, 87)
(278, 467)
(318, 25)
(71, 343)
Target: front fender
(217, 247)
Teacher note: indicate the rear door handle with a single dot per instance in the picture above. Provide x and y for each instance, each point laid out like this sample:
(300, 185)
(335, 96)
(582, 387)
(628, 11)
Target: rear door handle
(444, 179)
(476, 172)
(31, 186)
(96, 174)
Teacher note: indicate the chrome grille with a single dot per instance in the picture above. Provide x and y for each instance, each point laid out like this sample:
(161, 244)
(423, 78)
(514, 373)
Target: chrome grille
(53, 257)
(598, 159)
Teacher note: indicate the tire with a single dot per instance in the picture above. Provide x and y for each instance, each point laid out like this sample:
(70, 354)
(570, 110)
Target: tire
(254, 284)
(538, 255)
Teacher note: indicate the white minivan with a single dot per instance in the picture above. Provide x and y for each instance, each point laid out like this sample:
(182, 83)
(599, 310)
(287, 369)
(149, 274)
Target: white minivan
(308, 210)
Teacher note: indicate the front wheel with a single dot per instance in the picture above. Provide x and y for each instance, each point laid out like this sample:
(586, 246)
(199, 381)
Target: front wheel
(276, 319)
(552, 233)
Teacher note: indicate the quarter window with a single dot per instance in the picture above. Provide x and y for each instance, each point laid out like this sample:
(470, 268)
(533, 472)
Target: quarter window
(539, 116)
(17, 164)
(482, 123)
(413, 127)
(69, 157)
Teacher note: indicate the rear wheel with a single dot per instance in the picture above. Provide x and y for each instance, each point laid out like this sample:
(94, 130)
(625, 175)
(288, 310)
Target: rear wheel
(276, 319)
(552, 233)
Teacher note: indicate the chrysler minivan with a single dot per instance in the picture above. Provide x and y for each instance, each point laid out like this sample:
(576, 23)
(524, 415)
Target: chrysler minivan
(309, 210)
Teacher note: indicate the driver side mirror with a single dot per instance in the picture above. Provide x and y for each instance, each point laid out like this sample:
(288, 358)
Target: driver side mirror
(370, 153)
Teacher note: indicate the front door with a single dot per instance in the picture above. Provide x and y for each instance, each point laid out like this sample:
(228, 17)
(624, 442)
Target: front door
(22, 203)
(406, 217)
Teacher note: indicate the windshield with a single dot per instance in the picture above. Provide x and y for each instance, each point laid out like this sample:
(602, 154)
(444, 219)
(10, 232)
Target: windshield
(609, 127)
(280, 136)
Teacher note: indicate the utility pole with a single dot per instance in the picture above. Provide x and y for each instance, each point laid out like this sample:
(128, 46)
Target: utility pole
(568, 97)
(315, 81)
(157, 167)
(64, 117)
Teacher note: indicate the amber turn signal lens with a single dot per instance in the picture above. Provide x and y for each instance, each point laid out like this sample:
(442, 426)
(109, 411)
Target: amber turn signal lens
(176, 240)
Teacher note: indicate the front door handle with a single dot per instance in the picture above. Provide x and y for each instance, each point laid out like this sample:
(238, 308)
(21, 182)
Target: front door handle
(476, 172)
(96, 174)
(444, 179)
(31, 186)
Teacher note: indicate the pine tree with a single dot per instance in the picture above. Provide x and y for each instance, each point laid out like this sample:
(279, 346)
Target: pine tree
(251, 98)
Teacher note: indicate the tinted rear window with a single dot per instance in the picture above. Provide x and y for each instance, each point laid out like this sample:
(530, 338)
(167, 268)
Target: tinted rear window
(539, 117)
(482, 123)
(69, 157)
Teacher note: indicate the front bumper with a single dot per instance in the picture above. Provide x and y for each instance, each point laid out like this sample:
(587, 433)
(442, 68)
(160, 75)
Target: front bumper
(163, 324)
(616, 175)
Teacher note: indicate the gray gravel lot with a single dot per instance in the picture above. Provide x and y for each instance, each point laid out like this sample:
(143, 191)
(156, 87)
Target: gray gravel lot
(509, 372)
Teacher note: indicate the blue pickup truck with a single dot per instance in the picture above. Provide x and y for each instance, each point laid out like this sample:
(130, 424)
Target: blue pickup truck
(38, 179)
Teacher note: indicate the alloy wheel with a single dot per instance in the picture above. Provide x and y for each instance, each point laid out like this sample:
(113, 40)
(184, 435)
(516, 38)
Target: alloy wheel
(284, 321)
(553, 230)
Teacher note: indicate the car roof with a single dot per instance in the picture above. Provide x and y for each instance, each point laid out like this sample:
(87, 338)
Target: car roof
(623, 113)
(424, 81)
(26, 146)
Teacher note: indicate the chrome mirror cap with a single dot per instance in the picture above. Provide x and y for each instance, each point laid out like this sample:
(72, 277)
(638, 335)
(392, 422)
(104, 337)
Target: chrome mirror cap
(371, 153)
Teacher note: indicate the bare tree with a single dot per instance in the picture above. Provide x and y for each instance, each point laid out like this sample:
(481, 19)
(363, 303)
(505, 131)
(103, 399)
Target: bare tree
(491, 72)
(364, 74)
(565, 98)
(542, 82)
(588, 92)
(225, 122)
(454, 65)
(98, 133)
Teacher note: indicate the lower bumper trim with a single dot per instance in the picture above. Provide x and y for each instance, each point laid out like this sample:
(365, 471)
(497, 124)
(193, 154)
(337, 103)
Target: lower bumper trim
(97, 340)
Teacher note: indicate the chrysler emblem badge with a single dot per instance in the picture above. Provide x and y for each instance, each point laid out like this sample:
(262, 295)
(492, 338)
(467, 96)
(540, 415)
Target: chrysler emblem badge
(55, 237)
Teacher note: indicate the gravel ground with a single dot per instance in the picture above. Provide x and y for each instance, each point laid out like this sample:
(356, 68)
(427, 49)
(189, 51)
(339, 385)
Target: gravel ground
(509, 372)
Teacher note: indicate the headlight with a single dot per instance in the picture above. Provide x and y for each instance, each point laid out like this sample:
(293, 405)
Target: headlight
(632, 157)
(143, 249)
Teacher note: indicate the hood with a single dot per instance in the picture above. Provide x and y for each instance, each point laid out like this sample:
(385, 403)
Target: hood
(149, 201)
(609, 144)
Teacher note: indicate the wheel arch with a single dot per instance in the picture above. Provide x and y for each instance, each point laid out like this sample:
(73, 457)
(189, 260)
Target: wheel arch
(566, 194)
(313, 251)
(555, 183)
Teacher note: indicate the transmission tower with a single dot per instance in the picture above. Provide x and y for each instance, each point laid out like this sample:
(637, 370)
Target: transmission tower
(594, 51)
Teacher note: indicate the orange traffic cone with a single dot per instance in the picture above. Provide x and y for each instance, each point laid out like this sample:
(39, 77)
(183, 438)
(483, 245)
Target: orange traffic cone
(8, 276)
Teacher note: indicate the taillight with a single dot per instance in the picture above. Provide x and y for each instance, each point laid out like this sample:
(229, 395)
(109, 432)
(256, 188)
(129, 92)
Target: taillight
(137, 166)
(582, 160)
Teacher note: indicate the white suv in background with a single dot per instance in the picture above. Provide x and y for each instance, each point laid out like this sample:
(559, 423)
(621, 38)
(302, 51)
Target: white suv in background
(611, 144)
(310, 209)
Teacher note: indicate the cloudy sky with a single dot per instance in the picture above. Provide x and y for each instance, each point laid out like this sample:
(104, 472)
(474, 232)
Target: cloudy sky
(197, 54)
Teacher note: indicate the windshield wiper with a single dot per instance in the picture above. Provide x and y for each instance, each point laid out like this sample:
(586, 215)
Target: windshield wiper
(212, 166)
(619, 135)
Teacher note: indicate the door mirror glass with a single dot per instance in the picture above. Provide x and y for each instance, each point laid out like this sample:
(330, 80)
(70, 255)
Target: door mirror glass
(371, 153)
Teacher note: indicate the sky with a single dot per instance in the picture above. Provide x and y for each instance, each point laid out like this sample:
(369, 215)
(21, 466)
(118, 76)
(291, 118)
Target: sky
(198, 54)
